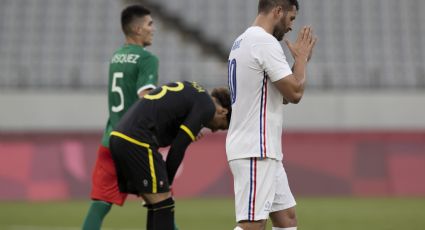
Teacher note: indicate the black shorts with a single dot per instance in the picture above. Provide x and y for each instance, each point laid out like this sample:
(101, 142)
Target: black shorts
(140, 168)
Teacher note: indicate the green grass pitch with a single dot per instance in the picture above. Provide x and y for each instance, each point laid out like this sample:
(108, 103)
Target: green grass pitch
(218, 214)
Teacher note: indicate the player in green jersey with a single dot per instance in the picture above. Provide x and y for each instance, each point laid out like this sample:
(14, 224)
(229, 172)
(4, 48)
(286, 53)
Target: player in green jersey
(133, 72)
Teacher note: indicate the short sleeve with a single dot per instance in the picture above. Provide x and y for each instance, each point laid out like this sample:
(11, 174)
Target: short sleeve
(148, 73)
(201, 113)
(272, 60)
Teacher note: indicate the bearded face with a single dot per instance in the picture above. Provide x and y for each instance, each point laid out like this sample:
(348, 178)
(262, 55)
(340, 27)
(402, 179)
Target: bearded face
(284, 23)
(279, 31)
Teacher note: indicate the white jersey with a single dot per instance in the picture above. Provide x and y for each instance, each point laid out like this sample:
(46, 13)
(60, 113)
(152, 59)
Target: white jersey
(255, 61)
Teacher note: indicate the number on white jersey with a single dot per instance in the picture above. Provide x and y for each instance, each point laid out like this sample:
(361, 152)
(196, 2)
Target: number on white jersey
(232, 79)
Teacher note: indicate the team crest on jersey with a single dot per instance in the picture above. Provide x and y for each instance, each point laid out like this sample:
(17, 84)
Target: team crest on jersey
(267, 206)
(145, 183)
(198, 87)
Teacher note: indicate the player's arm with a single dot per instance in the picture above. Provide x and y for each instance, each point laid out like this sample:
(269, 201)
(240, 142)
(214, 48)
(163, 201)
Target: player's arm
(147, 78)
(143, 92)
(201, 113)
(176, 154)
(292, 86)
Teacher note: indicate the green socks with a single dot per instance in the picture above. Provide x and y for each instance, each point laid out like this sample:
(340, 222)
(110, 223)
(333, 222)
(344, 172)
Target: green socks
(97, 212)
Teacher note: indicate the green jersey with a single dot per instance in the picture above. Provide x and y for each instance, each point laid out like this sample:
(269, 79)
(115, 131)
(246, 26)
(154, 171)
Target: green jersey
(132, 69)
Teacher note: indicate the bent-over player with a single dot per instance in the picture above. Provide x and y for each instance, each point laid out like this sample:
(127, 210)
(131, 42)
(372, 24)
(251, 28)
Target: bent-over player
(171, 115)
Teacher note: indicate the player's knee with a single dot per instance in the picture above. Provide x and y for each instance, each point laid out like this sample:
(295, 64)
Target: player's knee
(164, 204)
(284, 218)
(167, 204)
(291, 217)
(156, 197)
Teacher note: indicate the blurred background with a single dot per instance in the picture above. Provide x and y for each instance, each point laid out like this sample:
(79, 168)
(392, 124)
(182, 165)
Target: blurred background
(358, 132)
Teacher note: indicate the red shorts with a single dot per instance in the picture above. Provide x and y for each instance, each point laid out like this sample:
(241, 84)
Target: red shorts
(104, 180)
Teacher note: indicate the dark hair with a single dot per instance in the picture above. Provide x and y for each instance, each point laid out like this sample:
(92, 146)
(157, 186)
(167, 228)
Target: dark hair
(129, 14)
(264, 6)
(223, 97)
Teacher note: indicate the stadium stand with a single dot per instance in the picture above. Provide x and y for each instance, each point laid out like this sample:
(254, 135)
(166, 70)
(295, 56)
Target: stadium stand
(65, 44)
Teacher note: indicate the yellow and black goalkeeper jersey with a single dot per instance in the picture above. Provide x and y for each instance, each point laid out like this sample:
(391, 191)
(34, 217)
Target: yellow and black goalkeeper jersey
(169, 115)
(176, 107)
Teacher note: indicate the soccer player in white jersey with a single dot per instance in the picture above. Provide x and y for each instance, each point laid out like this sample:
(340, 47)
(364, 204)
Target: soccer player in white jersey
(261, 81)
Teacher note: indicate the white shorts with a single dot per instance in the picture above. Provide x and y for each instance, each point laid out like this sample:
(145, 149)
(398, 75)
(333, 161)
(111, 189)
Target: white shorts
(261, 187)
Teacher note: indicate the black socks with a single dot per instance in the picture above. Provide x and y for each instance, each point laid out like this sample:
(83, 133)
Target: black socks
(161, 215)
